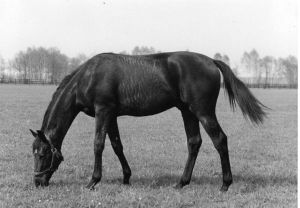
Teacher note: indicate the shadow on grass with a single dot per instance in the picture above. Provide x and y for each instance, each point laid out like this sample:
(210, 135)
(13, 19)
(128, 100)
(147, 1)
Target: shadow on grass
(255, 181)
(249, 183)
(69, 182)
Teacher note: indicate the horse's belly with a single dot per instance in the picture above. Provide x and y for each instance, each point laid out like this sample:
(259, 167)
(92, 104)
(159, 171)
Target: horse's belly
(145, 92)
(145, 103)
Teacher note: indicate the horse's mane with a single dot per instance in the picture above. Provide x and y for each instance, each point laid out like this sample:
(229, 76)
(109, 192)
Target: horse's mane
(55, 95)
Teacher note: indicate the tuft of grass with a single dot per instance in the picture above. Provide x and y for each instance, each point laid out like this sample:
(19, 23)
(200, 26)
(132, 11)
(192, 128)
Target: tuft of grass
(263, 159)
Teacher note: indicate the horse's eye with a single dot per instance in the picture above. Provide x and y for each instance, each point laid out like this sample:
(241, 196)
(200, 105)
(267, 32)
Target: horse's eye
(39, 155)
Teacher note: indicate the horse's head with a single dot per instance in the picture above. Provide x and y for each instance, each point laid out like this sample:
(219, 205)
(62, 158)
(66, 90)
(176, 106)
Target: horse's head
(46, 158)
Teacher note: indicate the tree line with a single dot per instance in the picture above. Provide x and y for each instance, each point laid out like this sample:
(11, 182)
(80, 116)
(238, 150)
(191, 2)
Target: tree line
(264, 70)
(47, 64)
(267, 68)
(50, 65)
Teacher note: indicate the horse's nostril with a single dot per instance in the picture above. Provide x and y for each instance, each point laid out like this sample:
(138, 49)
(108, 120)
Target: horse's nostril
(37, 182)
(46, 183)
(40, 181)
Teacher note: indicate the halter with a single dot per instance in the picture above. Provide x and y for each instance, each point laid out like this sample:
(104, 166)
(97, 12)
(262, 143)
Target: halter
(53, 167)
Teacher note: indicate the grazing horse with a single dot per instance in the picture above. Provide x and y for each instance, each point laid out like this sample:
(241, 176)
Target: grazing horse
(111, 85)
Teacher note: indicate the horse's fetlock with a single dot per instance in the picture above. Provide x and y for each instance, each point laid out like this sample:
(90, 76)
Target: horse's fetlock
(96, 178)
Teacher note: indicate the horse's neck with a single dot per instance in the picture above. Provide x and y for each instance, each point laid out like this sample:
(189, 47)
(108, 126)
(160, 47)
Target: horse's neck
(59, 119)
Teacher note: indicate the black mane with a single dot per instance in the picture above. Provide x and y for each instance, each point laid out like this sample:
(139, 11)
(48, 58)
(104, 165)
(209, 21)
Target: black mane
(55, 95)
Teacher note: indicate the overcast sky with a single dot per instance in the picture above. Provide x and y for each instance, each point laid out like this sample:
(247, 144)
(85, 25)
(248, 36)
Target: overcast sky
(204, 26)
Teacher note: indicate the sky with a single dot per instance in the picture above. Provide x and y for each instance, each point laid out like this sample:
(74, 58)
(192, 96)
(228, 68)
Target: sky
(205, 26)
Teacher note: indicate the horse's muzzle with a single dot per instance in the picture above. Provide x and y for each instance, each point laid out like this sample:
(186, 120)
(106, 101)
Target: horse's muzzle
(40, 181)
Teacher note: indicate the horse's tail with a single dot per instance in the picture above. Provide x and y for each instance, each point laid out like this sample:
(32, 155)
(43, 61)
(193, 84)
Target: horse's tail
(238, 92)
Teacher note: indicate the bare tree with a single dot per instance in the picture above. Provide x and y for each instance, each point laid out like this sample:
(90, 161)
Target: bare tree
(143, 50)
(75, 62)
(218, 56)
(124, 52)
(289, 68)
(223, 58)
(246, 61)
(2, 67)
(226, 59)
(255, 64)
(41, 63)
(235, 70)
(47, 64)
(266, 65)
(57, 65)
(21, 64)
(252, 63)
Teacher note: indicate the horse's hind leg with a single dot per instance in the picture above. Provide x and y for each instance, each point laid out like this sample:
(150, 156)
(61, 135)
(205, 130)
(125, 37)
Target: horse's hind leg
(191, 125)
(114, 136)
(219, 140)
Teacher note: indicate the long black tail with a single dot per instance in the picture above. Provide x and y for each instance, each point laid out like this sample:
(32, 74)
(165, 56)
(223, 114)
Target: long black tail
(238, 92)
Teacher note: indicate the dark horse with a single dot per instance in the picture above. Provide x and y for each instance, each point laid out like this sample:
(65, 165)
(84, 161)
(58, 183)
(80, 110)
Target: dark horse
(111, 85)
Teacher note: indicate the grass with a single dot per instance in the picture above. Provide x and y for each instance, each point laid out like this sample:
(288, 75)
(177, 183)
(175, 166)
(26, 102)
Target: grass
(263, 159)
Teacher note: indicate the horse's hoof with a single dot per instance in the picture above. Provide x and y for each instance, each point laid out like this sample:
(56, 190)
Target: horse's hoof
(91, 186)
(126, 180)
(224, 188)
(126, 183)
(178, 186)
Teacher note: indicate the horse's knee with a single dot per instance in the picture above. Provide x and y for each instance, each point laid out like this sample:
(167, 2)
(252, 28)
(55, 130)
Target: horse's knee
(220, 143)
(194, 144)
(117, 147)
(215, 132)
(98, 146)
(210, 125)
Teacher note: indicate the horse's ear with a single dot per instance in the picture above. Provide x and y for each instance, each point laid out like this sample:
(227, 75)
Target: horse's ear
(33, 133)
(42, 136)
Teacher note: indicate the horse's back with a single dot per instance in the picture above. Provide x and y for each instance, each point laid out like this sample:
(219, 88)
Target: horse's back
(145, 85)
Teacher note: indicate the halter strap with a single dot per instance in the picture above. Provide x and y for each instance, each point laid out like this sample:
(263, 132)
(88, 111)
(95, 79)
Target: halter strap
(54, 152)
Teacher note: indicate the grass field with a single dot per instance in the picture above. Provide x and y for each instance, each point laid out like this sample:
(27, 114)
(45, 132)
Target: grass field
(263, 159)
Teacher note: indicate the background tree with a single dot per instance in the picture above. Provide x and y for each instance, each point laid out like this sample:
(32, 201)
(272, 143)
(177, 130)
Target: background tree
(218, 56)
(223, 58)
(252, 62)
(143, 50)
(2, 67)
(226, 59)
(45, 64)
(255, 65)
(50, 65)
(37, 62)
(57, 65)
(266, 65)
(124, 52)
(75, 62)
(289, 68)
(246, 61)
(235, 70)
(21, 64)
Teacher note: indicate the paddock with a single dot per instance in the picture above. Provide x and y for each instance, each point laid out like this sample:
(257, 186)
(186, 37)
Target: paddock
(263, 158)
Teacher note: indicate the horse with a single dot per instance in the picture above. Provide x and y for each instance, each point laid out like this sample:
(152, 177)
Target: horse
(110, 85)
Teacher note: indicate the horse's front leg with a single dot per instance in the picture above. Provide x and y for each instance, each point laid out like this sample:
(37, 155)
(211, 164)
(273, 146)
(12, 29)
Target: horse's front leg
(102, 120)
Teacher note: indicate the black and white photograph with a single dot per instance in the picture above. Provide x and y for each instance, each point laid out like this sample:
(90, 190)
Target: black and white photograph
(161, 103)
